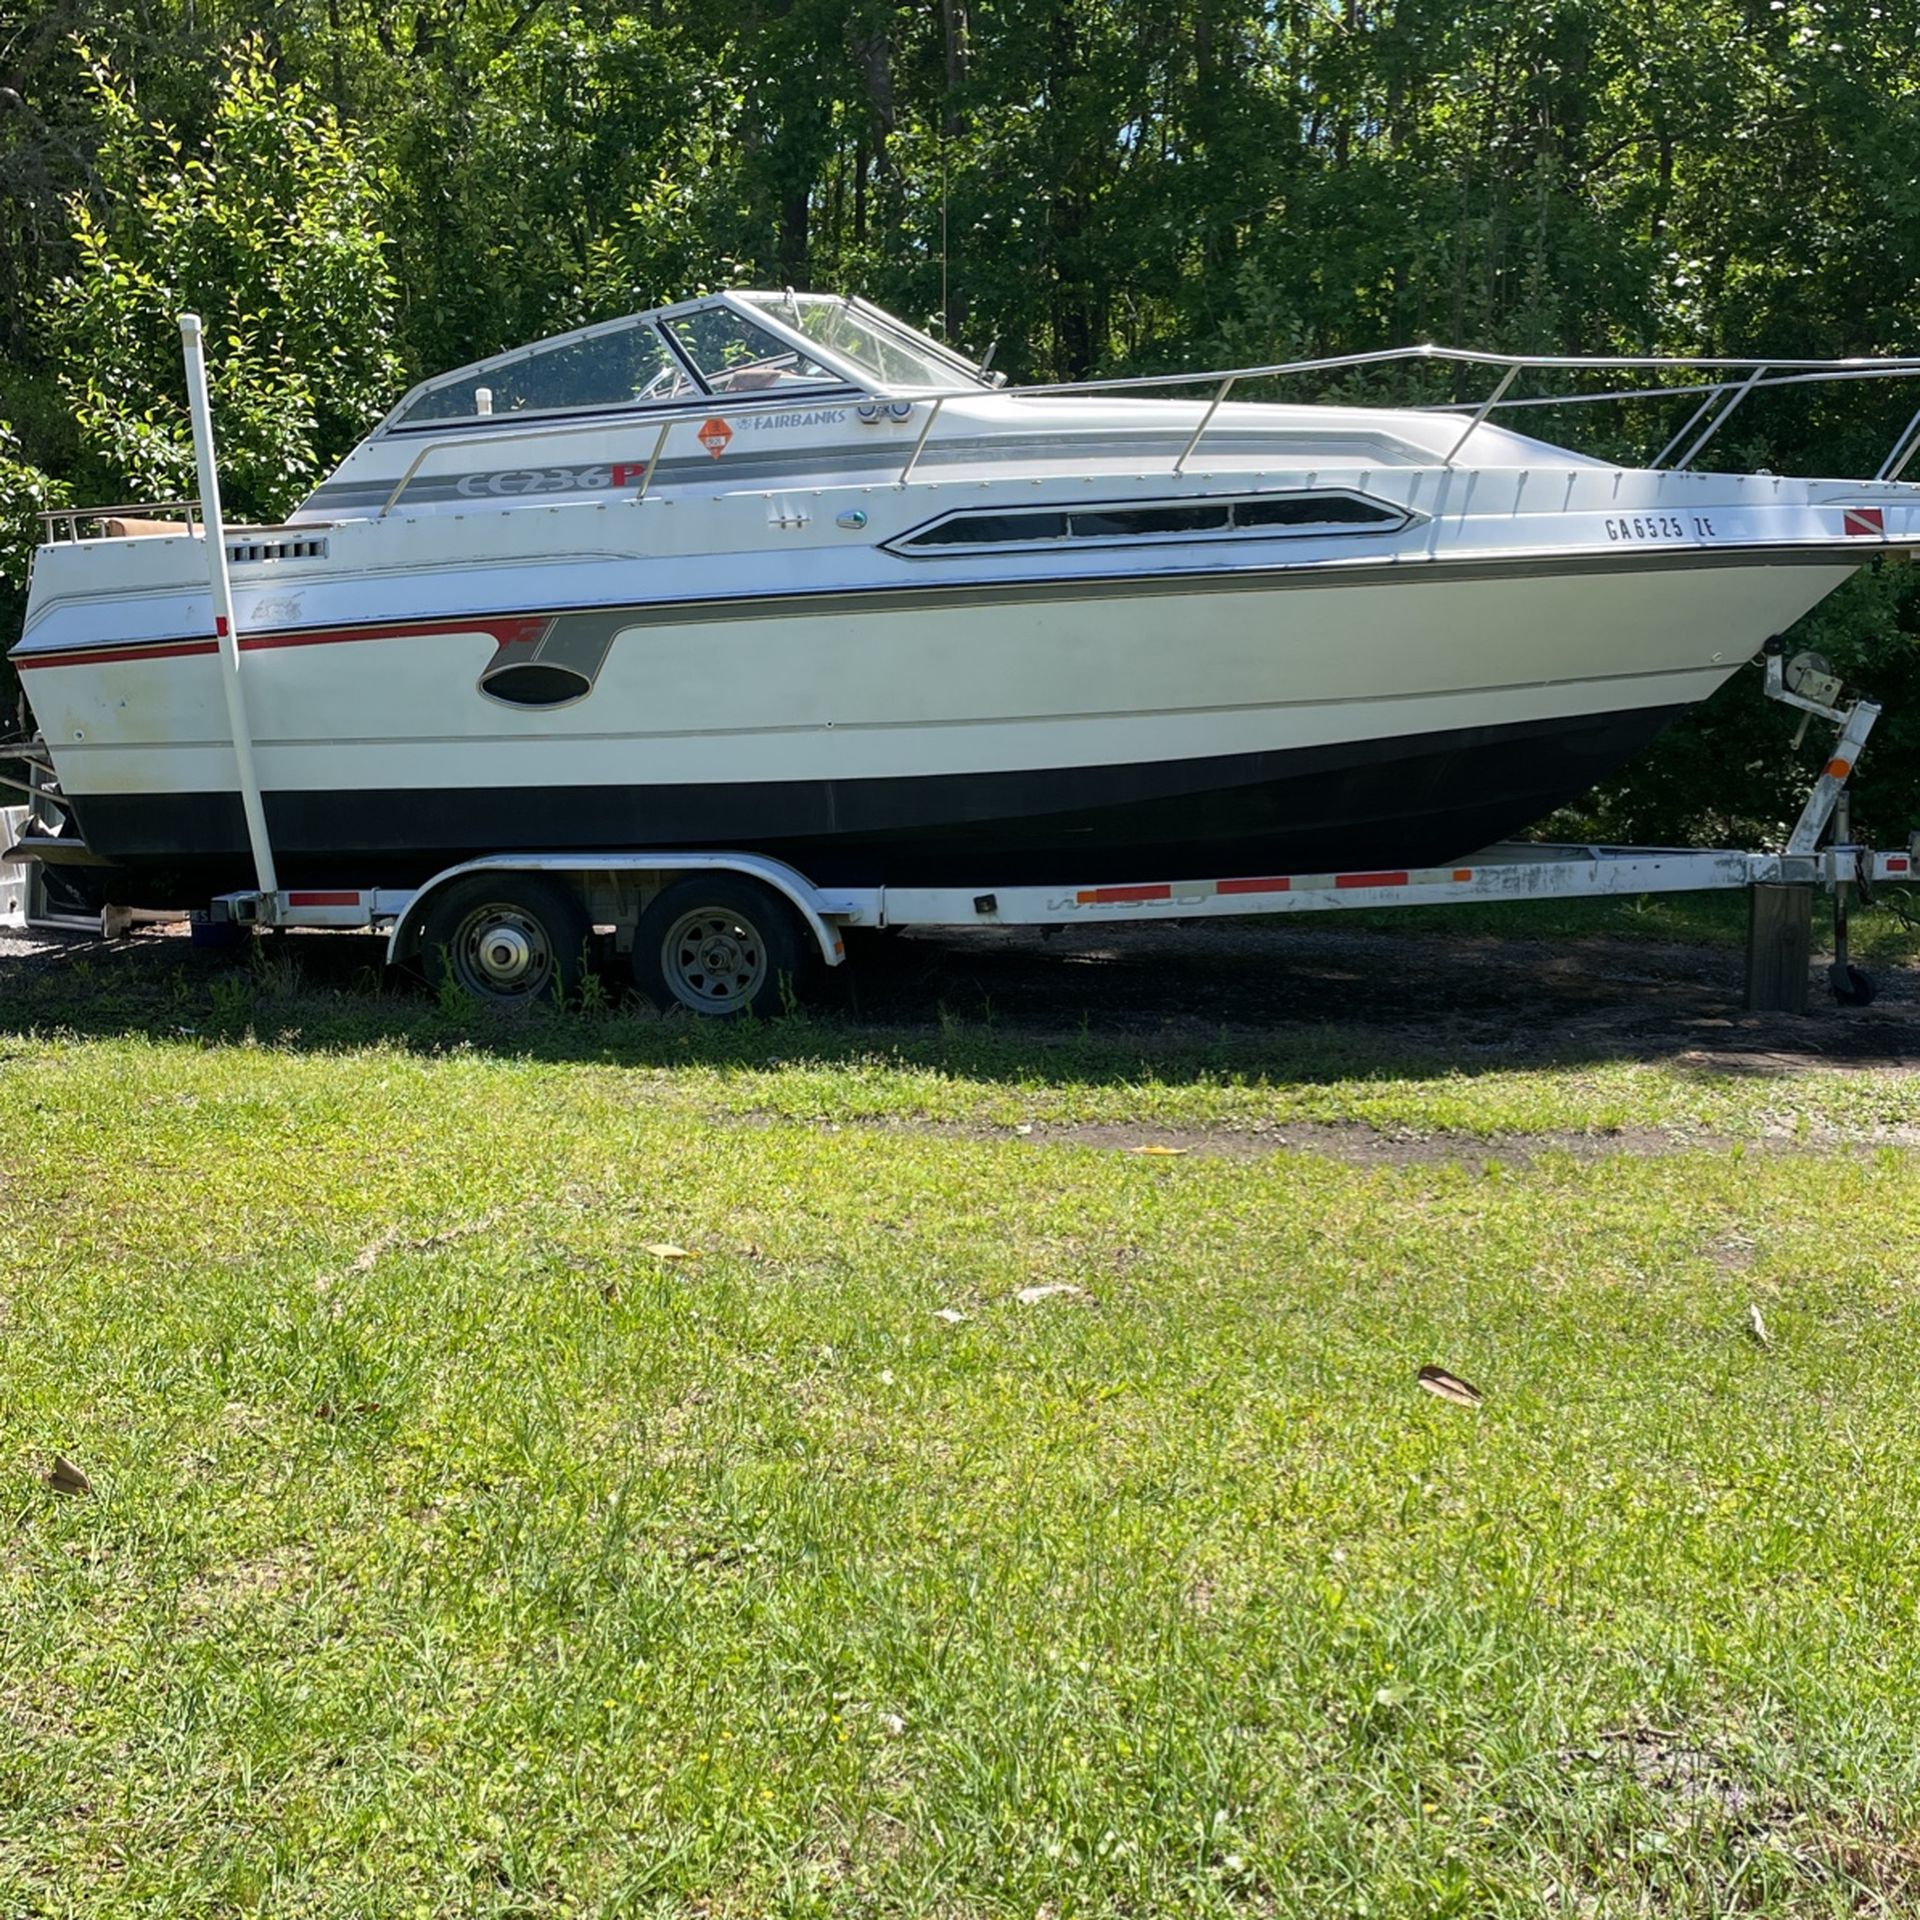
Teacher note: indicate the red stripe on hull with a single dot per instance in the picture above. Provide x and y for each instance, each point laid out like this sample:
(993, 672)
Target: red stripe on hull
(99, 656)
(518, 629)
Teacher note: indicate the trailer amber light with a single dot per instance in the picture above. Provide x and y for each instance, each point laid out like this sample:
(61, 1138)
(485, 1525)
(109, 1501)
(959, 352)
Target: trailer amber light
(1839, 769)
(1463, 873)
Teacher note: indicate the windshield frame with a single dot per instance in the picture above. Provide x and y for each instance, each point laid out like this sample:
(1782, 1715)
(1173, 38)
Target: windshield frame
(850, 379)
(768, 308)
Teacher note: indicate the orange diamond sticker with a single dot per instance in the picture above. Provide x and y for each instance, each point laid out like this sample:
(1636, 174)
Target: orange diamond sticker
(714, 435)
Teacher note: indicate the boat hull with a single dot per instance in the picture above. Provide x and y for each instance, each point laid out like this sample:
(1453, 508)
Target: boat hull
(1091, 731)
(1401, 802)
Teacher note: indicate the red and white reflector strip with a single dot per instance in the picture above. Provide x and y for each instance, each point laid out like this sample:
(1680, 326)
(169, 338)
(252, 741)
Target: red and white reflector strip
(1252, 888)
(345, 907)
(1864, 522)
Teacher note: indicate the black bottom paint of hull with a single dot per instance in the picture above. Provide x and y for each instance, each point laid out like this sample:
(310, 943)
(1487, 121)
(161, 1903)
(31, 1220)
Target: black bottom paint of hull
(1407, 802)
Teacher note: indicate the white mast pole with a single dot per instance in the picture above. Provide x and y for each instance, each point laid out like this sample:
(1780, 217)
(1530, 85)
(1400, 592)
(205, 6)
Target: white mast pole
(214, 529)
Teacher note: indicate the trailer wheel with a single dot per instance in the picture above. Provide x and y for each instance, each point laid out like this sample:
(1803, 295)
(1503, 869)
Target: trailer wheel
(508, 938)
(720, 945)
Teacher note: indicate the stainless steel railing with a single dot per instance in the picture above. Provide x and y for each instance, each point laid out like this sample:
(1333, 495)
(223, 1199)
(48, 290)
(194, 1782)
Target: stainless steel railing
(59, 523)
(1717, 400)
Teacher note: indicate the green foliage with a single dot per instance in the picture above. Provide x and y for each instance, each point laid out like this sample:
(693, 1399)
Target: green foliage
(270, 231)
(25, 493)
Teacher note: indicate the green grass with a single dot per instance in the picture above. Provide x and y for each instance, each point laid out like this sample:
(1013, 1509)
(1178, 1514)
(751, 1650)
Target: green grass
(450, 1552)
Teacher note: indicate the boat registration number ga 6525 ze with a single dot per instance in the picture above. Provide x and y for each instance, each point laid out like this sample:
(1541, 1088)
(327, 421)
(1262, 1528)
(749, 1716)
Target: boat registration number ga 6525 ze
(1660, 526)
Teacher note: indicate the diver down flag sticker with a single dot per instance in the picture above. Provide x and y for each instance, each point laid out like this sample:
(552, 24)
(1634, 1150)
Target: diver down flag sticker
(1871, 521)
(714, 435)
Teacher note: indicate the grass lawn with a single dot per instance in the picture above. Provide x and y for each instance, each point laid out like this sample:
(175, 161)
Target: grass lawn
(456, 1546)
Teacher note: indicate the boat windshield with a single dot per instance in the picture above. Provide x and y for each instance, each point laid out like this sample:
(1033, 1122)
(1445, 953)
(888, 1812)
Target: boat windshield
(734, 354)
(881, 346)
(615, 365)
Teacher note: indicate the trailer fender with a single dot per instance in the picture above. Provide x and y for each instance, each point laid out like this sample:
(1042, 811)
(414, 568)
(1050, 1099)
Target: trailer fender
(799, 892)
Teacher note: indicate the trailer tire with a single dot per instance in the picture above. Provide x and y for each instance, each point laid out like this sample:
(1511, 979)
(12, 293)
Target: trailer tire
(721, 946)
(506, 939)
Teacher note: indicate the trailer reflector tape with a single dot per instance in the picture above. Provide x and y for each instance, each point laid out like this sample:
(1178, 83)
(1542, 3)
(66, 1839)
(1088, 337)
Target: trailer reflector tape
(1122, 896)
(1245, 885)
(349, 898)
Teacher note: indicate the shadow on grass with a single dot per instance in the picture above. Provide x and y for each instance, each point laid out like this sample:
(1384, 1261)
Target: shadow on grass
(1222, 1001)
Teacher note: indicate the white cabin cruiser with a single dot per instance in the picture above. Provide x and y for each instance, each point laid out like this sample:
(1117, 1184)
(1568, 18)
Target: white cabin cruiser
(775, 572)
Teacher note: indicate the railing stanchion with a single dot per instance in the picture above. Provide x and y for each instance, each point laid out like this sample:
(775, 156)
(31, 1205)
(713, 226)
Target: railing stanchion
(913, 459)
(1714, 392)
(1902, 450)
(653, 460)
(1719, 420)
(1486, 407)
(1206, 420)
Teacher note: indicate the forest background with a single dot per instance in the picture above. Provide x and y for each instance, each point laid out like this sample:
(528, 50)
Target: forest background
(358, 193)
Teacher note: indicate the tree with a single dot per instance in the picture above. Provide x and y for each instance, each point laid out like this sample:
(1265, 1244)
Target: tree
(25, 493)
(271, 232)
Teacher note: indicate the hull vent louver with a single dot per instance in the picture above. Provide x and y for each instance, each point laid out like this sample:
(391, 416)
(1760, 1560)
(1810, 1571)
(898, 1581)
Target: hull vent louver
(244, 550)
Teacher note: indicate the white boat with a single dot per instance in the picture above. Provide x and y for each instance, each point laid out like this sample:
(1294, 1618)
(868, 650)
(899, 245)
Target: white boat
(778, 573)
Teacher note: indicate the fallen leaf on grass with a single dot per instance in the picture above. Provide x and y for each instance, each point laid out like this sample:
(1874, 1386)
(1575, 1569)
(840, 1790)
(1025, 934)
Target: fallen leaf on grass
(951, 1315)
(1757, 1327)
(65, 1477)
(1154, 1147)
(1029, 1296)
(1449, 1386)
(666, 1250)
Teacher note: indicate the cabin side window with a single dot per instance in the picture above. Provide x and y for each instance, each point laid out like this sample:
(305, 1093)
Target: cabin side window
(1264, 515)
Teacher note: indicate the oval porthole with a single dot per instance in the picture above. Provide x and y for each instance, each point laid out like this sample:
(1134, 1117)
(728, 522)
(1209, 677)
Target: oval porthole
(536, 683)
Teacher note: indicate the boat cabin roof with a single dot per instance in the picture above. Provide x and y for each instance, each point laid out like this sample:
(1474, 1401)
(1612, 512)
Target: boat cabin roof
(765, 344)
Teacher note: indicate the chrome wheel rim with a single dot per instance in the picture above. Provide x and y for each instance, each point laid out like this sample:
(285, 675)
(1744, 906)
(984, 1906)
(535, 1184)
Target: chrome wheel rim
(502, 952)
(714, 960)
